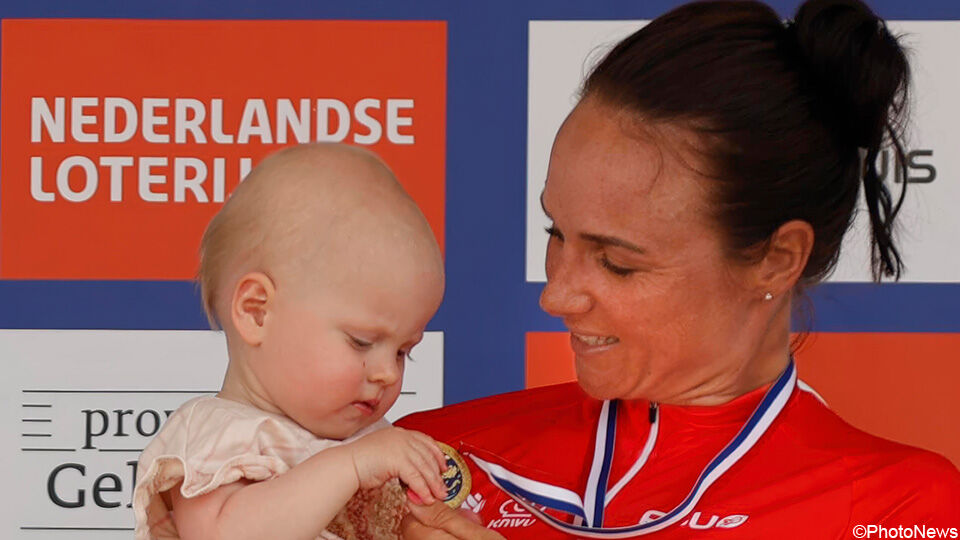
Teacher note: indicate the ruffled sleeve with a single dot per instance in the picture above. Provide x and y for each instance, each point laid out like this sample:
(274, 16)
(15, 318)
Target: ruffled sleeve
(207, 443)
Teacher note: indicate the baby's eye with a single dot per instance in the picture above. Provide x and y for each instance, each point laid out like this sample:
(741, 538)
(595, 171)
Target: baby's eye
(403, 354)
(358, 343)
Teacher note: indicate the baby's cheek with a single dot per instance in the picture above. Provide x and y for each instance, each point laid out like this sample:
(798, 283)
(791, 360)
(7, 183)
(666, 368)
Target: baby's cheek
(391, 394)
(344, 380)
(325, 379)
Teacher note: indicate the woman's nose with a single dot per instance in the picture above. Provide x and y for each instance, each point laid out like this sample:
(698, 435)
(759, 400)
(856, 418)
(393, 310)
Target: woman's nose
(563, 294)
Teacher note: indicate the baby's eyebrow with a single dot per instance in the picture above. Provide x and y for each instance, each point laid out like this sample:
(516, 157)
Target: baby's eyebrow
(372, 332)
(375, 332)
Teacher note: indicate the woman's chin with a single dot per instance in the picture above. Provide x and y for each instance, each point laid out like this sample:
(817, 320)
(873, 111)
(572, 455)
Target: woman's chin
(604, 380)
(598, 388)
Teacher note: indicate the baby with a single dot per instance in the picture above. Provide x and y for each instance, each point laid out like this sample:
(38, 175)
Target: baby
(322, 273)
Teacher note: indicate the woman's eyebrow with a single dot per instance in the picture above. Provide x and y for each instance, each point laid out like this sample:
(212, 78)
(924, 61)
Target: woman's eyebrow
(600, 239)
(544, 207)
(612, 241)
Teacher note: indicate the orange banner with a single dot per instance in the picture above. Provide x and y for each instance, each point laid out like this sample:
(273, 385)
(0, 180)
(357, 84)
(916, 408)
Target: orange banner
(122, 138)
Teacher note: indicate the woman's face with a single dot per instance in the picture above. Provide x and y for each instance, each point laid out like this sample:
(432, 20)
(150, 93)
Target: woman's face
(636, 267)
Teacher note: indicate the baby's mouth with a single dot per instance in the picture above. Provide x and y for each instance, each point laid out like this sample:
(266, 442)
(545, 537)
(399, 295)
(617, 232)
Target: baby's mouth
(367, 407)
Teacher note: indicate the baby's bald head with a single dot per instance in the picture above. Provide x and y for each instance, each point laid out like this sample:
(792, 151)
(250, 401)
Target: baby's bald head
(313, 214)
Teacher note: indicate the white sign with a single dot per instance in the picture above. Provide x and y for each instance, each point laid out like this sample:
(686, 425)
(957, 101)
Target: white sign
(81, 405)
(561, 54)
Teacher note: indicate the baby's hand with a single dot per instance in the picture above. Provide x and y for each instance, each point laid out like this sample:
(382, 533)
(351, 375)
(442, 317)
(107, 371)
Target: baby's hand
(398, 453)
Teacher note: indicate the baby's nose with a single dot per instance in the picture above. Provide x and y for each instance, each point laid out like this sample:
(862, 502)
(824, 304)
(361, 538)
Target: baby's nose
(384, 370)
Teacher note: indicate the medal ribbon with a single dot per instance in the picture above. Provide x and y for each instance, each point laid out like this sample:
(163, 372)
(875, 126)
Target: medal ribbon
(588, 511)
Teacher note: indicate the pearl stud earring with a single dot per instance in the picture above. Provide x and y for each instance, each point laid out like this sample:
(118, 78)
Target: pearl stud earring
(768, 296)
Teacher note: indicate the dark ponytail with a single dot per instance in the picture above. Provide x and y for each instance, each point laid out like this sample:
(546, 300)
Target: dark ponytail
(863, 75)
(792, 115)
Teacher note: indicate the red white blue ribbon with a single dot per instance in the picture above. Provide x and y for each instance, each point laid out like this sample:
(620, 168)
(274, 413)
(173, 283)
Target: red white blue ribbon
(588, 510)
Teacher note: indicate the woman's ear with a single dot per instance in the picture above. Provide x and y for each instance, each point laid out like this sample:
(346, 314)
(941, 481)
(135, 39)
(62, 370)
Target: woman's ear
(786, 257)
(253, 299)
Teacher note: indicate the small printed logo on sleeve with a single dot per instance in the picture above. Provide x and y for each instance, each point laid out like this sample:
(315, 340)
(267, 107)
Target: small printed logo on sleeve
(474, 503)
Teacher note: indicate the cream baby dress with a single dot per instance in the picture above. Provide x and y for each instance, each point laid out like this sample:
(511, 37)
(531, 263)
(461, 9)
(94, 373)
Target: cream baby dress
(209, 442)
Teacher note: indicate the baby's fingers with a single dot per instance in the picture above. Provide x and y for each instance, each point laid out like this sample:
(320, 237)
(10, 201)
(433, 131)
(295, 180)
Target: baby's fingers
(439, 456)
(434, 450)
(417, 484)
(428, 468)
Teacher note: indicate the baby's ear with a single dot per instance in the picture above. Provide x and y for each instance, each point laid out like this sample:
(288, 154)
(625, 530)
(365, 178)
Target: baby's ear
(252, 299)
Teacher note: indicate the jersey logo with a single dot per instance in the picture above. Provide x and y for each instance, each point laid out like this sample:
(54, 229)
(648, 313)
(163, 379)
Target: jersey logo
(512, 514)
(699, 521)
(474, 503)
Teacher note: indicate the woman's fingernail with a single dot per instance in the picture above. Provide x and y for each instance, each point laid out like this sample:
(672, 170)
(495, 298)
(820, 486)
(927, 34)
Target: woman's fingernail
(414, 498)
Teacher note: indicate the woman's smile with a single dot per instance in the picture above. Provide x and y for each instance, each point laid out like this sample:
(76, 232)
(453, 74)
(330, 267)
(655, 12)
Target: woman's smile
(585, 344)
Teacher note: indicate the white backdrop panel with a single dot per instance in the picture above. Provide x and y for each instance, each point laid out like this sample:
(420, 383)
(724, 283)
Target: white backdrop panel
(561, 53)
(81, 404)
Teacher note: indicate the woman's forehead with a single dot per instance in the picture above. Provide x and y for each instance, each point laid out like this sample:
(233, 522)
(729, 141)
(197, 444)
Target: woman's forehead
(600, 168)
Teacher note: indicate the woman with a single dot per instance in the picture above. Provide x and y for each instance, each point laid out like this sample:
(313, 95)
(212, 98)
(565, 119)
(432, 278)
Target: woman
(705, 178)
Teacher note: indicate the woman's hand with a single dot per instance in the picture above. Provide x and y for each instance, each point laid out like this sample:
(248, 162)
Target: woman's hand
(440, 522)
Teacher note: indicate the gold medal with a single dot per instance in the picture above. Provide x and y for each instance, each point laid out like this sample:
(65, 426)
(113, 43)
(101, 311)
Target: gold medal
(456, 478)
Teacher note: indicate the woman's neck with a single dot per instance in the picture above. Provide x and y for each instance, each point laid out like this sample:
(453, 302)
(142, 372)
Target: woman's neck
(763, 361)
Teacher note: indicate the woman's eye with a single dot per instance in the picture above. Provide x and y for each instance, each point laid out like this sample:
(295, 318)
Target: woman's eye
(617, 270)
(554, 232)
(359, 343)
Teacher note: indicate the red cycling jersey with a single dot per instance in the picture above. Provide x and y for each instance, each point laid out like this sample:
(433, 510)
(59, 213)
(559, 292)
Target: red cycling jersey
(809, 475)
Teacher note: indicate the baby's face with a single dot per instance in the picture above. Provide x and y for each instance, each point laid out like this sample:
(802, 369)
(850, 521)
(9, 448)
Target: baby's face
(334, 357)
